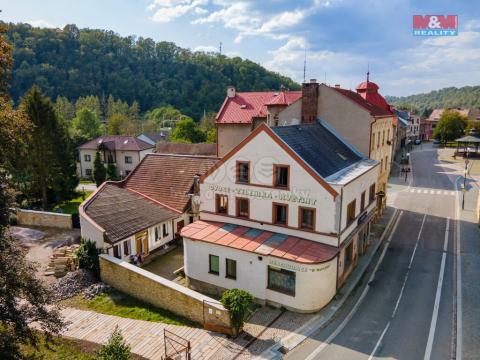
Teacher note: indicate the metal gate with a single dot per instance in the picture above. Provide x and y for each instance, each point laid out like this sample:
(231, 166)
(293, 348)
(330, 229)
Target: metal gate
(175, 347)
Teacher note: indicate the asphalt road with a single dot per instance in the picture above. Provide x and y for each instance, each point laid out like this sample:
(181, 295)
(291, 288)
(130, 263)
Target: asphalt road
(408, 310)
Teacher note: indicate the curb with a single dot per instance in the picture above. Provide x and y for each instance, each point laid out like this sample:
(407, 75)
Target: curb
(320, 320)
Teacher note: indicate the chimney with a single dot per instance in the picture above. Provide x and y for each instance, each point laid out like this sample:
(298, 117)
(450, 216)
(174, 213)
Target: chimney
(337, 86)
(310, 101)
(230, 91)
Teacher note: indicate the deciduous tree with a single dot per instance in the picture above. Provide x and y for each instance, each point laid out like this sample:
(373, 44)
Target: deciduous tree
(86, 124)
(186, 130)
(451, 126)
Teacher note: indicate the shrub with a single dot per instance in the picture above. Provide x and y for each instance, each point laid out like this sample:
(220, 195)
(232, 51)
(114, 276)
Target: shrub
(115, 348)
(237, 302)
(87, 255)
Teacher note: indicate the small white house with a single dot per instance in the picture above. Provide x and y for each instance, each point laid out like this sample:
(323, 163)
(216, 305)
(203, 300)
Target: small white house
(125, 152)
(284, 215)
(145, 211)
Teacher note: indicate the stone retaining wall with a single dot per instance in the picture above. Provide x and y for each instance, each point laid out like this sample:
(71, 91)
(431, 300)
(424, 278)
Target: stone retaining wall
(44, 218)
(164, 294)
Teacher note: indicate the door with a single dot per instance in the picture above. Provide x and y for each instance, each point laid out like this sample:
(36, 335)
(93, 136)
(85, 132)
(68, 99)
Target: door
(141, 242)
(180, 225)
(145, 245)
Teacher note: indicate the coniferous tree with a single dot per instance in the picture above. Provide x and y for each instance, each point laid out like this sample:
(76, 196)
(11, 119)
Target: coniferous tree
(51, 164)
(99, 171)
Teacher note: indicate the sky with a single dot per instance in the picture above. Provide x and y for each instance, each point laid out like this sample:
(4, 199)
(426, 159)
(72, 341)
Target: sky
(341, 38)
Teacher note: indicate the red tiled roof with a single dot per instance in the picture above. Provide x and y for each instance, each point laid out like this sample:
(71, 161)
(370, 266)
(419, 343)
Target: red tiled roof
(260, 242)
(167, 178)
(248, 105)
(117, 142)
(373, 109)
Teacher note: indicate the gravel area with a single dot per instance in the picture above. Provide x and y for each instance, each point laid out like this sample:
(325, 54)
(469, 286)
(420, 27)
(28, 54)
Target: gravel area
(72, 284)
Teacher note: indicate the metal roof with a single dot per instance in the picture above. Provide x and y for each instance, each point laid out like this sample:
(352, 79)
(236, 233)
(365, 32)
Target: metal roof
(320, 148)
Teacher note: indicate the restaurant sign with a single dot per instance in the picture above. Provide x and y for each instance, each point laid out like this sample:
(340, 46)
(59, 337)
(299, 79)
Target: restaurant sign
(264, 194)
(296, 267)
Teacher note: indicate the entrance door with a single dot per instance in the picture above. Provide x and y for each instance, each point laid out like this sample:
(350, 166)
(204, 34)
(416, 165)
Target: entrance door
(180, 225)
(141, 242)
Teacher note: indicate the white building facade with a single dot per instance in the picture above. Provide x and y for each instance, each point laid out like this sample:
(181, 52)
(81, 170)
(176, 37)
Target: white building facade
(282, 221)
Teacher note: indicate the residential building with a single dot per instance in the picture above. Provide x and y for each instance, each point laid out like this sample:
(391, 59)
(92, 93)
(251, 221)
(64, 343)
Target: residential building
(284, 215)
(153, 138)
(146, 210)
(206, 149)
(242, 112)
(362, 117)
(125, 152)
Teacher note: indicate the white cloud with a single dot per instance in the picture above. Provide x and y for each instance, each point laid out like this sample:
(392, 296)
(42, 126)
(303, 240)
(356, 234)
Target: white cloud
(40, 23)
(168, 10)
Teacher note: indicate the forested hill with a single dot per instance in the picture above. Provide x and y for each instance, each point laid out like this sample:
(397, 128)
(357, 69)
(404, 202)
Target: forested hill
(76, 62)
(467, 96)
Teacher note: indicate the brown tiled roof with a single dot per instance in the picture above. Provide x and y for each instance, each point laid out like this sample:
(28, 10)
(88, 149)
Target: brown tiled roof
(187, 149)
(122, 212)
(117, 142)
(374, 110)
(261, 242)
(168, 178)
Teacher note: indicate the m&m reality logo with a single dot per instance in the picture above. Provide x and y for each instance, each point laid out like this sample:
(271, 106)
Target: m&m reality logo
(435, 25)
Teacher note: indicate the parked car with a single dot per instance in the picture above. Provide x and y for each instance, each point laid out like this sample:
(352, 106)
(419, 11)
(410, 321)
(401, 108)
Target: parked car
(436, 142)
(418, 142)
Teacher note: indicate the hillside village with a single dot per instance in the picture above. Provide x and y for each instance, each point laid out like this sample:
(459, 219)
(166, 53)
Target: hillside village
(285, 220)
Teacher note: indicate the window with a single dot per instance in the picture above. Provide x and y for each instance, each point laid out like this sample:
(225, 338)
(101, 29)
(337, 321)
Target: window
(156, 234)
(128, 159)
(243, 208)
(116, 251)
(386, 163)
(307, 218)
(371, 194)
(165, 230)
(213, 264)
(281, 175)
(281, 280)
(378, 139)
(222, 204)
(351, 212)
(127, 172)
(243, 172)
(381, 165)
(348, 256)
(383, 138)
(231, 266)
(388, 135)
(373, 141)
(362, 201)
(88, 172)
(126, 247)
(87, 158)
(280, 213)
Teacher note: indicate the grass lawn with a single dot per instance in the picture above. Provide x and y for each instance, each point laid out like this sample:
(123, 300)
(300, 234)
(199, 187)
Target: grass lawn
(71, 207)
(86, 181)
(61, 349)
(119, 304)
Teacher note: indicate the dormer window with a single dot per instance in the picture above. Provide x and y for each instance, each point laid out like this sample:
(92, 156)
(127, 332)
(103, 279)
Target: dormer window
(243, 172)
(281, 176)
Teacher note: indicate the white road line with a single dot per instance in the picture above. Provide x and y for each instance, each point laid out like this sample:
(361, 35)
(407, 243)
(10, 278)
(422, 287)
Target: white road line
(439, 192)
(352, 312)
(425, 191)
(432, 191)
(379, 342)
(436, 306)
(452, 192)
(459, 340)
(416, 244)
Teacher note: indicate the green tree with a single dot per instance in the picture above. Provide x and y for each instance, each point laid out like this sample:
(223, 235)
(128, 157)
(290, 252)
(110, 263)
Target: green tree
(186, 130)
(115, 349)
(23, 298)
(212, 136)
(51, 163)
(86, 124)
(87, 255)
(111, 169)
(91, 103)
(120, 124)
(451, 126)
(65, 109)
(237, 302)
(99, 171)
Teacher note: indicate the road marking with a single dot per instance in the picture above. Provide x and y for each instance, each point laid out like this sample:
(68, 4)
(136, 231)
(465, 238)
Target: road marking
(352, 312)
(377, 345)
(432, 192)
(439, 192)
(436, 306)
(459, 340)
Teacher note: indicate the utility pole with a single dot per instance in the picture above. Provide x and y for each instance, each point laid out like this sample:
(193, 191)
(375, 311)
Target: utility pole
(220, 48)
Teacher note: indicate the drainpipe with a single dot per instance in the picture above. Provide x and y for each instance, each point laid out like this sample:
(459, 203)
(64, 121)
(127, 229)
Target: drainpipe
(339, 234)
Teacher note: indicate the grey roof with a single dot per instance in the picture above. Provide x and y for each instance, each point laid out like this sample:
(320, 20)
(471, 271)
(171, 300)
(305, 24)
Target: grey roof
(123, 213)
(318, 147)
